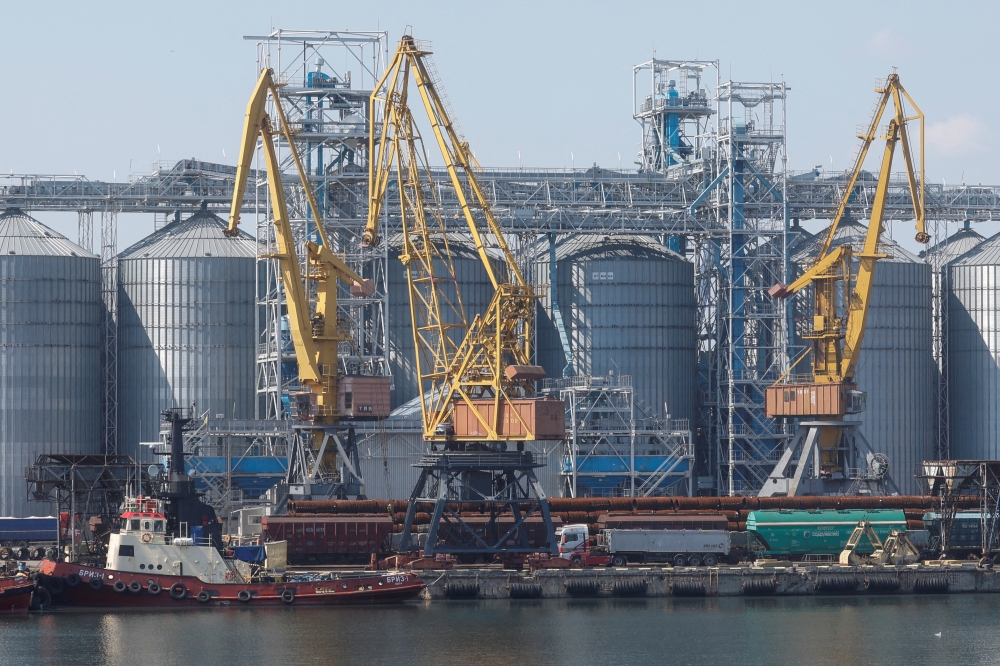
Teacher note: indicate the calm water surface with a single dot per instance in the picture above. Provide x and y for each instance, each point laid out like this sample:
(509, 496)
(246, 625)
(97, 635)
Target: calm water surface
(823, 630)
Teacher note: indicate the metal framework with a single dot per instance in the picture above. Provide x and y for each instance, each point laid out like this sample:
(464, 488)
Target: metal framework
(955, 480)
(614, 448)
(326, 106)
(503, 485)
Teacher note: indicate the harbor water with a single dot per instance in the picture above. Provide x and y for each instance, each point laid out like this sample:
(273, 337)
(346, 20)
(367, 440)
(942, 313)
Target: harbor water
(955, 629)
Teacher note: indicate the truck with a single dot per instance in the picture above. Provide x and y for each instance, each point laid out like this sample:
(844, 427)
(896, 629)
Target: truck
(620, 547)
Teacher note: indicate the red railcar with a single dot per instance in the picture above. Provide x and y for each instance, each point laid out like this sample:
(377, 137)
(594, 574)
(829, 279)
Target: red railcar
(316, 539)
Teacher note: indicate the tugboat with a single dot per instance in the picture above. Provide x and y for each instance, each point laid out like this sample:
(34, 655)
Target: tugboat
(166, 554)
(18, 593)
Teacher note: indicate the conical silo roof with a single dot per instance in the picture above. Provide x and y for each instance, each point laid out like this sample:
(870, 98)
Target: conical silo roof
(952, 247)
(986, 253)
(853, 233)
(198, 236)
(21, 234)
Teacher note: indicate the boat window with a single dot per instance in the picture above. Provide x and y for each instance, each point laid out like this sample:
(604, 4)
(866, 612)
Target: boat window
(126, 551)
(134, 524)
(158, 526)
(146, 524)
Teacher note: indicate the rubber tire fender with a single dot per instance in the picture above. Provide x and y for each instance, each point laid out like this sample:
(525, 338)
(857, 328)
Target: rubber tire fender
(120, 586)
(204, 597)
(154, 588)
(73, 580)
(41, 599)
(57, 586)
(244, 596)
(135, 587)
(96, 583)
(288, 596)
(178, 591)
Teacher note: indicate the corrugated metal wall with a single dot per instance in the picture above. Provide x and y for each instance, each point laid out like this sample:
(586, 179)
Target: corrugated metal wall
(628, 307)
(896, 366)
(186, 327)
(974, 352)
(51, 322)
(476, 289)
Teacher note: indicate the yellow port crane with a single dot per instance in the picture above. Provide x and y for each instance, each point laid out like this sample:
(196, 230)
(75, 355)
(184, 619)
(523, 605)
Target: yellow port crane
(315, 327)
(476, 379)
(837, 334)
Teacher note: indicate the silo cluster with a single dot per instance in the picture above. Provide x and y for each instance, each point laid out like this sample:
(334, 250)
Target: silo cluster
(51, 321)
(186, 327)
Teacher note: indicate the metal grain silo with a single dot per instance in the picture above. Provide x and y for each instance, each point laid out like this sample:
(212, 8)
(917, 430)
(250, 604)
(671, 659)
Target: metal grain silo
(477, 292)
(628, 307)
(896, 366)
(974, 352)
(51, 319)
(186, 326)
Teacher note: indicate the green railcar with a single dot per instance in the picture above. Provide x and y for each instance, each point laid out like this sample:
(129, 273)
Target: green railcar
(796, 533)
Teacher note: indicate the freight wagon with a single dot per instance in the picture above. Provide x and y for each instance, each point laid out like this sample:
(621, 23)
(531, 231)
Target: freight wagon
(792, 534)
(966, 532)
(314, 539)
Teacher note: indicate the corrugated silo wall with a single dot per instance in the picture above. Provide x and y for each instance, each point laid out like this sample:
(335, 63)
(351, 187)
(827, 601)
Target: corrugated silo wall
(185, 335)
(630, 316)
(477, 291)
(896, 369)
(974, 361)
(51, 321)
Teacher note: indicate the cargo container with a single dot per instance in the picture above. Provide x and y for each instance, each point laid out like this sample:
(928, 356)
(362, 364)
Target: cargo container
(813, 400)
(364, 398)
(20, 532)
(680, 547)
(329, 539)
(793, 534)
(545, 417)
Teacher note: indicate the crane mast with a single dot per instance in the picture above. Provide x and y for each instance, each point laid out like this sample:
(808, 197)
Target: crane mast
(476, 378)
(311, 297)
(840, 312)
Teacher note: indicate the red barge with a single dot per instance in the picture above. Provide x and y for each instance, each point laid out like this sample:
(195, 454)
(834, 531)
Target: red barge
(15, 595)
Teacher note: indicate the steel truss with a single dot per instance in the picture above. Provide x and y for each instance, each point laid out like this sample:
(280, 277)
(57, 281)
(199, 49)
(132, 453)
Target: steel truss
(502, 484)
(955, 480)
(606, 425)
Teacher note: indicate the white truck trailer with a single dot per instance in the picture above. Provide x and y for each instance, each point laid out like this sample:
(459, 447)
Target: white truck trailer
(680, 547)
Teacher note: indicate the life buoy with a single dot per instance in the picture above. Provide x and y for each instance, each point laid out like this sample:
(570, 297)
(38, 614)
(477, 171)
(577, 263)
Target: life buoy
(147, 537)
(178, 591)
(243, 595)
(230, 575)
(288, 596)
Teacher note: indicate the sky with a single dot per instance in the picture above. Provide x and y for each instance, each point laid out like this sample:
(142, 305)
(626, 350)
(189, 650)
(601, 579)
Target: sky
(105, 89)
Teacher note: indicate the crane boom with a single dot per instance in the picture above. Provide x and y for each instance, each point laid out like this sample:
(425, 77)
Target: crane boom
(315, 327)
(476, 379)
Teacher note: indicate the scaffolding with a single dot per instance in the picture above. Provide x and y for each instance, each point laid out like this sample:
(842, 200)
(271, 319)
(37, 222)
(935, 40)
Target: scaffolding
(614, 447)
(325, 80)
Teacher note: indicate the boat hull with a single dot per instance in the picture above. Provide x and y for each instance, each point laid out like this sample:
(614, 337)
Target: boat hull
(75, 586)
(15, 595)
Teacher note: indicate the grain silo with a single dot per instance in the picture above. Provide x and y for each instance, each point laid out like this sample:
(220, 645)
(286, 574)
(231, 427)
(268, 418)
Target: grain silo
(477, 292)
(186, 326)
(974, 352)
(896, 365)
(628, 308)
(51, 319)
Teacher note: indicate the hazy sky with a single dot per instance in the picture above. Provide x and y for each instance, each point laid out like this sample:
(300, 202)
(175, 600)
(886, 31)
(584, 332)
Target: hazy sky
(95, 88)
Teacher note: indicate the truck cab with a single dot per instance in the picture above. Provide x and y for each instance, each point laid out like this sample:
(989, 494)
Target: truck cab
(574, 541)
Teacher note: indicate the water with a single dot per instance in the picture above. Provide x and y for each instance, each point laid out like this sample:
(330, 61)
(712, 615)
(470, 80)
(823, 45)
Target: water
(795, 630)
